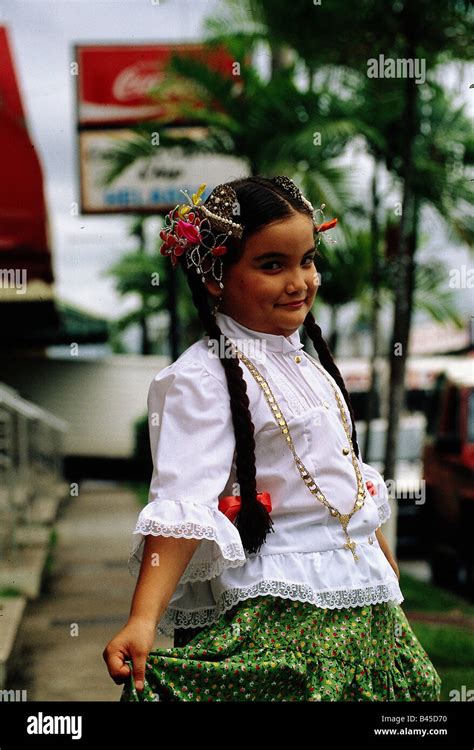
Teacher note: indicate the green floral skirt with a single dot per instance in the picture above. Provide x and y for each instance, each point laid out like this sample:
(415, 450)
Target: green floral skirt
(269, 648)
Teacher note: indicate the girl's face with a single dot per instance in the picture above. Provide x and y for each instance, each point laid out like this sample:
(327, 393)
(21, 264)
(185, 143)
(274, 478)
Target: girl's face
(276, 267)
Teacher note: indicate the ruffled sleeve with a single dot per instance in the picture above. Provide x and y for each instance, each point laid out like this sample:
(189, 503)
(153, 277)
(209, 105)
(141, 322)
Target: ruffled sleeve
(192, 444)
(381, 499)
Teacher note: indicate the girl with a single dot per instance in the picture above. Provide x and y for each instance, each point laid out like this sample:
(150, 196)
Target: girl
(260, 548)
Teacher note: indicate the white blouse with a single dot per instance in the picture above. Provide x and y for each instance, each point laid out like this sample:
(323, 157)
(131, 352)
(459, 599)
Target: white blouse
(193, 449)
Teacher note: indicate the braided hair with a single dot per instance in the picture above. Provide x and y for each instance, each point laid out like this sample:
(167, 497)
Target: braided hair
(261, 200)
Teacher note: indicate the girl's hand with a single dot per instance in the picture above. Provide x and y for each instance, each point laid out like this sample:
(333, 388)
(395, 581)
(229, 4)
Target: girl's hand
(134, 642)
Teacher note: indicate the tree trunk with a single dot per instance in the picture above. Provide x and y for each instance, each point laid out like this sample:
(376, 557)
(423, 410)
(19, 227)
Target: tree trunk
(145, 338)
(374, 378)
(404, 269)
(139, 232)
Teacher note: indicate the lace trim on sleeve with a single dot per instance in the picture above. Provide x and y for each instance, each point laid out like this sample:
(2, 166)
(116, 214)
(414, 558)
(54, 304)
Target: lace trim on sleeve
(385, 511)
(221, 548)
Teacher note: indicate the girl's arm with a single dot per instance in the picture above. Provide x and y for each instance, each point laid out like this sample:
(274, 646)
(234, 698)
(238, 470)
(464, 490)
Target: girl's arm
(387, 551)
(164, 562)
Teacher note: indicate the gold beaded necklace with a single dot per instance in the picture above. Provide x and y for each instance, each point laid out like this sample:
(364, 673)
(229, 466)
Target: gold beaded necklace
(343, 518)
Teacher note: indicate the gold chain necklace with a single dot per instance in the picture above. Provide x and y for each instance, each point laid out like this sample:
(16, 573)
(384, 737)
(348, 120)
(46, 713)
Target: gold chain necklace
(343, 518)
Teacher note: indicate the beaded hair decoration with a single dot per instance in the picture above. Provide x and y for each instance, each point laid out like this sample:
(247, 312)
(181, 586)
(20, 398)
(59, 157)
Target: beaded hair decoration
(198, 231)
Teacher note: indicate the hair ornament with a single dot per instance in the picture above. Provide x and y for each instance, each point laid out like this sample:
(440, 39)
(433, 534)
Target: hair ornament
(198, 231)
(325, 225)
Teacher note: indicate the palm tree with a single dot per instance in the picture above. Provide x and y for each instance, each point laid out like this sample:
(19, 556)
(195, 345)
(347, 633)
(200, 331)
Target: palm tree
(438, 177)
(136, 273)
(422, 29)
(439, 181)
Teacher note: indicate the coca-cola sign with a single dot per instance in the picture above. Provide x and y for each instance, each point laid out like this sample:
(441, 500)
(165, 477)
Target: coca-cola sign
(134, 82)
(115, 81)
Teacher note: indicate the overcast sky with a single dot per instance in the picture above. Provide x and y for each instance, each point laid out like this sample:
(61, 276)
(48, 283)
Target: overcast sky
(42, 35)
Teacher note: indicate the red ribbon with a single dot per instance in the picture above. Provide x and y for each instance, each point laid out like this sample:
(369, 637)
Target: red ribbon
(371, 487)
(230, 504)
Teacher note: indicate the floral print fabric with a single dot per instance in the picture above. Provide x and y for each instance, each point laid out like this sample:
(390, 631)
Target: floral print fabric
(269, 648)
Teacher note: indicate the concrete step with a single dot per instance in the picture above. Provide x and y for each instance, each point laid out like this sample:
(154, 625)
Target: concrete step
(32, 535)
(23, 568)
(11, 613)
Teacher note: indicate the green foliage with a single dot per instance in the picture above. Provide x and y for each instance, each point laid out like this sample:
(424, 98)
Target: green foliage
(438, 30)
(447, 645)
(344, 267)
(147, 275)
(426, 597)
(432, 295)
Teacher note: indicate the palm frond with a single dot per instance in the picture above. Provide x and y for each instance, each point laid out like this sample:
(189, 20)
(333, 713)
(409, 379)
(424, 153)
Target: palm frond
(432, 295)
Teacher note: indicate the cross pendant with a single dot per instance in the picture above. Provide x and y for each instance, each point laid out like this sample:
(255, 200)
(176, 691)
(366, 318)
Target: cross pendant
(351, 545)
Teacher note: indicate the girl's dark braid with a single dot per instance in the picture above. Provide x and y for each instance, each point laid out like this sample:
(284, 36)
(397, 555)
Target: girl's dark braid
(325, 356)
(253, 520)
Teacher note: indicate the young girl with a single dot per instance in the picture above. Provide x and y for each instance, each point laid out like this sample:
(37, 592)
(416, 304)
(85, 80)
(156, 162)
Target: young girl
(260, 549)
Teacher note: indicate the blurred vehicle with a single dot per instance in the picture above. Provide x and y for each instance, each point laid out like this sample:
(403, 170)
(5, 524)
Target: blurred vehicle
(448, 470)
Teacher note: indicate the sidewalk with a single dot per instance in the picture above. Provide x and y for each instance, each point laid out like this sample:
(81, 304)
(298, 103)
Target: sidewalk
(88, 600)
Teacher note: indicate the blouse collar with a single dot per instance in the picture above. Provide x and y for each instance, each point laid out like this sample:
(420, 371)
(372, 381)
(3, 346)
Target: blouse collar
(274, 342)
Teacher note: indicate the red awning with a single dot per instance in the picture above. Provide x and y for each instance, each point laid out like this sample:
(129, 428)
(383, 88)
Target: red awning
(23, 217)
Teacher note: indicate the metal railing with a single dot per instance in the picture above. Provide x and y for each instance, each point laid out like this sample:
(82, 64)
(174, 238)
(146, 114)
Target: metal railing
(31, 461)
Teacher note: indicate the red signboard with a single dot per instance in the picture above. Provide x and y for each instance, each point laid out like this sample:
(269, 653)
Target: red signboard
(115, 81)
